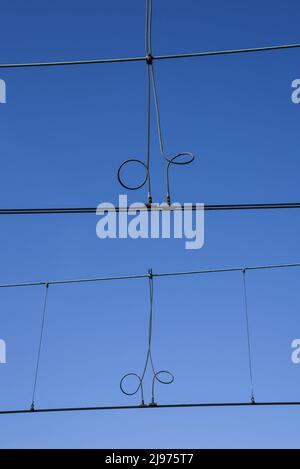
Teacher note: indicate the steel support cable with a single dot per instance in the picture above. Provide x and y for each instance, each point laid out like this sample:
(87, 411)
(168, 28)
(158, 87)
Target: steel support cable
(143, 276)
(179, 159)
(189, 207)
(40, 345)
(157, 375)
(142, 59)
(248, 336)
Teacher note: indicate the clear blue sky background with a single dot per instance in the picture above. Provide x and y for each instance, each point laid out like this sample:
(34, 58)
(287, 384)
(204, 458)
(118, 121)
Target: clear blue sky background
(64, 132)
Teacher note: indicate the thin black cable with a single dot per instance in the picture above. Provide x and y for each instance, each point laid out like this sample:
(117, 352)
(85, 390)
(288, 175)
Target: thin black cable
(158, 406)
(143, 276)
(174, 159)
(40, 345)
(147, 177)
(148, 29)
(142, 59)
(193, 207)
(149, 359)
(189, 157)
(248, 335)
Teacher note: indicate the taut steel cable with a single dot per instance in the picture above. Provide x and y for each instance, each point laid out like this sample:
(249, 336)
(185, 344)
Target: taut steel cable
(248, 335)
(193, 207)
(190, 55)
(40, 345)
(148, 407)
(157, 275)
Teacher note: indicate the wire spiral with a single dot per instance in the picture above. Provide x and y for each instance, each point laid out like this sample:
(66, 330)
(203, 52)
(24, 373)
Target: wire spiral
(157, 375)
(179, 159)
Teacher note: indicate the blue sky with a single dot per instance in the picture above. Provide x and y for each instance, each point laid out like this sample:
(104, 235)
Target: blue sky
(64, 131)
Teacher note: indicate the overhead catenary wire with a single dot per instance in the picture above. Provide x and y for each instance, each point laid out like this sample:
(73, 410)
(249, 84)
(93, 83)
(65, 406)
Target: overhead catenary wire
(146, 276)
(149, 59)
(154, 207)
(155, 57)
(182, 158)
(147, 407)
(150, 275)
(40, 345)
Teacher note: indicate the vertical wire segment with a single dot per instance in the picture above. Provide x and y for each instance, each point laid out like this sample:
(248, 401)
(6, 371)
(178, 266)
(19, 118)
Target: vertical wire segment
(147, 177)
(148, 29)
(148, 135)
(148, 52)
(248, 335)
(183, 158)
(149, 359)
(40, 345)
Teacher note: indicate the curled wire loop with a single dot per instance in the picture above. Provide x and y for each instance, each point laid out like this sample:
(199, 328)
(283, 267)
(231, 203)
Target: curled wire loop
(137, 186)
(157, 375)
(160, 380)
(187, 158)
(131, 393)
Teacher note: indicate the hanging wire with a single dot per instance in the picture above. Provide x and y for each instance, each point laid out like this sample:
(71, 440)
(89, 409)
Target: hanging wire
(40, 345)
(157, 375)
(248, 335)
(180, 159)
(147, 177)
(186, 157)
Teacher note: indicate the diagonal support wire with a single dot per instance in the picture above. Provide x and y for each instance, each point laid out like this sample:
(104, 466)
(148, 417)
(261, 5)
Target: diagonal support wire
(40, 345)
(248, 335)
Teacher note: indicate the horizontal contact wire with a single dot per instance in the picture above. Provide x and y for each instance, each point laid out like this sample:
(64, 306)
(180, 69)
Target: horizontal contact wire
(193, 207)
(158, 406)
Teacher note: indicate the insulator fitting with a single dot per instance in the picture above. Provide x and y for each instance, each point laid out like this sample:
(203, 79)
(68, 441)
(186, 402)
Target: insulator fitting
(152, 404)
(149, 59)
(149, 200)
